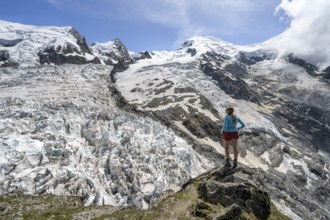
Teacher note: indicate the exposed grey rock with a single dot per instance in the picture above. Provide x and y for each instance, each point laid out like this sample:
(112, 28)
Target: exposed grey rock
(3, 207)
(231, 212)
(58, 56)
(192, 51)
(236, 69)
(4, 59)
(123, 54)
(236, 88)
(118, 67)
(145, 55)
(311, 122)
(310, 68)
(81, 41)
(112, 52)
(237, 194)
(246, 60)
(4, 55)
(253, 57)
(62, 54)
(326, 73)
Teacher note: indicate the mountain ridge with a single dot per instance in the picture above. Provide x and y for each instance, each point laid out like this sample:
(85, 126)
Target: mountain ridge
(123, 133)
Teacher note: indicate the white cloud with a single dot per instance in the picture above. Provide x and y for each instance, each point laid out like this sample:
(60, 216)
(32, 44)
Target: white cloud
(204, 17)
(187, 17)
(309, 32)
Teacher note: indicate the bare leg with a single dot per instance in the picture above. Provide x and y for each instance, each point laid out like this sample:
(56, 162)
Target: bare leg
(227, 148)
(234, 143)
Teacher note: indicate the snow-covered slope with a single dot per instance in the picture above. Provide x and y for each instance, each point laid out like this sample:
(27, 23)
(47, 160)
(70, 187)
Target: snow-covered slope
(28, 45)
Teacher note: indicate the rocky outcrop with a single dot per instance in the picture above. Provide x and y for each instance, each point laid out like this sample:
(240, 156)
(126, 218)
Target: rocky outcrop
(145, 55)
(237, 69)
(4, 55)
(236, 194)
(192, 51)
(68, 53)
(81, 41)
(310, 121)
(326, 73)
(59, 56)
(218, 194)
(253, 57)
(235, 88)
(4, 59)
(310, 68)
(112, 52)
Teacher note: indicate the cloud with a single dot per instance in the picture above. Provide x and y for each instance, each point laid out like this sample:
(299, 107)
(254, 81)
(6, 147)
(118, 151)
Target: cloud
(205, 17)
(309, 32)
(187, 17)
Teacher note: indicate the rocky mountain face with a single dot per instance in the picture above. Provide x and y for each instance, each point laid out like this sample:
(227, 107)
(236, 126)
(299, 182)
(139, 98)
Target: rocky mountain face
(116, 129)
(26, 45)
(112, 52)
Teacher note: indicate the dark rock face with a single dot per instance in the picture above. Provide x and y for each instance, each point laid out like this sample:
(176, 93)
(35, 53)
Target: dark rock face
(119, 67)
(326, 73)
(236, 88)
(4, 55)
(53, 55)
(233, 190)
(246, 60)
(232, 212)
(187, 43)
(62, 54)
(251, 58)
(310, 68)
(119, 54)
(145, 55)
(81, 41)
(4, 59)
(312, 123)
(236, 69)
(192, 51)
(233, 86)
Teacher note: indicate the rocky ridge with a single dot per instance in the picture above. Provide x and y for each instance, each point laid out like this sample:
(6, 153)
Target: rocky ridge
(217, 194)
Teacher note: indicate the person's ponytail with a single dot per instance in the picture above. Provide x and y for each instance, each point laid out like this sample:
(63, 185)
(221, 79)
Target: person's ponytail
(230, 111)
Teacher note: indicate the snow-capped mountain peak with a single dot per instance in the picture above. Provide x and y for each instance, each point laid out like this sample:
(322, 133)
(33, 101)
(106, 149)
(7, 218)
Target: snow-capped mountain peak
(25, 43)
(111, 52)
(203, 44)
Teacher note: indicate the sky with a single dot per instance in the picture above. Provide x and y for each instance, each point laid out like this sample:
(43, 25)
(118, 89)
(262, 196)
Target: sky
(153, 24)
(165, 24)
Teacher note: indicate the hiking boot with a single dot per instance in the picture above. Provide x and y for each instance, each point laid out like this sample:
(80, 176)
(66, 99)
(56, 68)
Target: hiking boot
(227, 163)
(235, 163)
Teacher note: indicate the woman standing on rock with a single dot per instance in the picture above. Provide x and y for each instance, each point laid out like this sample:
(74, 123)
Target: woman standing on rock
(230, 134)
